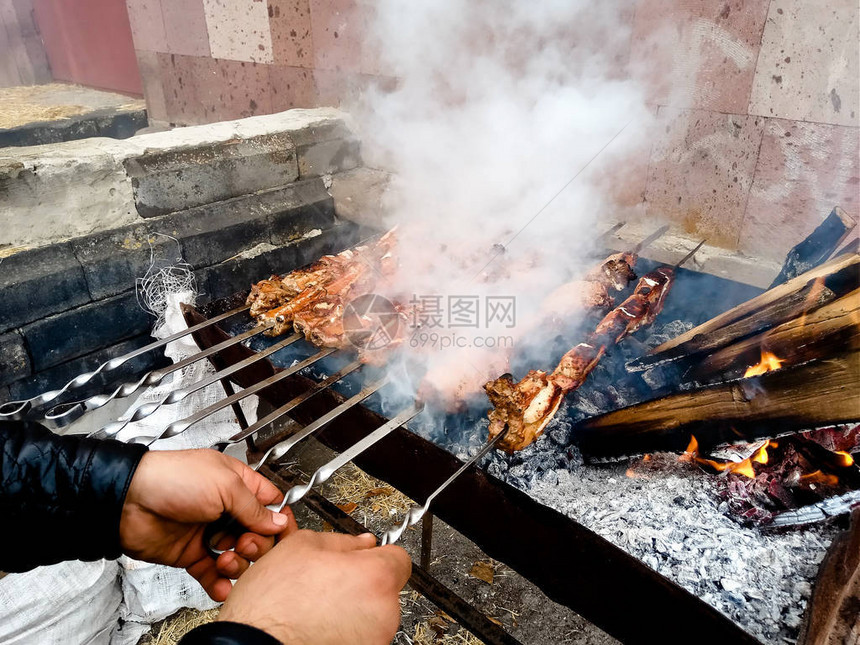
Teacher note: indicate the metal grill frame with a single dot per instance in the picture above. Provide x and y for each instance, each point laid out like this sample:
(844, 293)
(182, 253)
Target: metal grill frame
(571, 564)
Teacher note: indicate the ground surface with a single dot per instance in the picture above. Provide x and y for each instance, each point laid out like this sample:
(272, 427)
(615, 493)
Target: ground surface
(493, 588)
(23, 105)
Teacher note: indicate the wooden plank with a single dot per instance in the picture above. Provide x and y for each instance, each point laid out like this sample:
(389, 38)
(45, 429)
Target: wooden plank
(817, 247)
(819, 393)
(840, 275)
(833, 612)
(833, 328)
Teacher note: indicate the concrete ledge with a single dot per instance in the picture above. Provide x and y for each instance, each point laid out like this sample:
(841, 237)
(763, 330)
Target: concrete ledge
(110, 122)
(172, 180)
(66, 190)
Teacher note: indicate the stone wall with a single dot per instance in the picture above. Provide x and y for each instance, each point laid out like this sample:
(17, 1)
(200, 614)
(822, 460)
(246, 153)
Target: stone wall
(235, 200)
(757, 100)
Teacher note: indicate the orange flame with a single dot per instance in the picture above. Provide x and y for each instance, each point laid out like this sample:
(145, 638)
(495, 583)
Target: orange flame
(845, 458)
(819, 477)
(741, 468)
(761, 456)
(769, 362)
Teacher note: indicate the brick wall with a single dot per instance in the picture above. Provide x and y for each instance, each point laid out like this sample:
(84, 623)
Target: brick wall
(22, 55)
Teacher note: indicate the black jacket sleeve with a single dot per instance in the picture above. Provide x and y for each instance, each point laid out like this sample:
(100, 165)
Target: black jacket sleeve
(61, 497)
(227, 633)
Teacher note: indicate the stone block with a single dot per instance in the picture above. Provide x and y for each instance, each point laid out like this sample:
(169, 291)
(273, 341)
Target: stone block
(338, 31)
(327, 157)
(112, 261)
(171, 180)
(153, 89)
(697, 54)
(803, 171)
(36, 283)
(701, 171)
(292, 87)
(60, 338)
(290, 26)
(240, 273)
(358, 195)
(239, 30)
(14, 360)
(185, 28)
(64, 191)
(213, 233)
(57, 376)
(298, 209)
(808, 67)
(147, 24)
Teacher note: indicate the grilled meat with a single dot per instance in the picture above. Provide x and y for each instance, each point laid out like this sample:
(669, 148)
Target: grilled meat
(528, 406)
(268, 294)
(616, 271)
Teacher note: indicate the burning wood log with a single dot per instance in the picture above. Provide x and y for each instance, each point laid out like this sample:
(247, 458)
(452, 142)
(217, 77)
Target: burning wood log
(822, 392)
(785, 302)
(835, 327)
(817, 247)
(832, 615)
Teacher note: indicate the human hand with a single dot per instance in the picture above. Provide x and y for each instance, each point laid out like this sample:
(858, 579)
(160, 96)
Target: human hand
(323, 589)
(175, 494)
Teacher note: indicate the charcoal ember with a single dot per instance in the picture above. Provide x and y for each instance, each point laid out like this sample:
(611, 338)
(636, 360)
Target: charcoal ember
(841, 438)
(561, 432)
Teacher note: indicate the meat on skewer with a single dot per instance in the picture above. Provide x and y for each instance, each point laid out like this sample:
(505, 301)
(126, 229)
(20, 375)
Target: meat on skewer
(455, 381)
(528, 406)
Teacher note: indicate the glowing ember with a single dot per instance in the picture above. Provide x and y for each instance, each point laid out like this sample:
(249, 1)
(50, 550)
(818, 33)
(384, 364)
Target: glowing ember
(769, 362)
(845, 458)
(819, 477)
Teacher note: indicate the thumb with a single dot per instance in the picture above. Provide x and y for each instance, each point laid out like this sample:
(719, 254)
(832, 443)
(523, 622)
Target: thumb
(243, 505)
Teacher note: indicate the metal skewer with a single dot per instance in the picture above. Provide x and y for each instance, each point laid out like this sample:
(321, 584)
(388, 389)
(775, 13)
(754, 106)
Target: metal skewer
(14, 410)
(111, 429)
(417, 512)
(279, 450)
(180, 426)
(325, 472)
(64, 413)
(650, 239)
(287, 407)
(689, 255)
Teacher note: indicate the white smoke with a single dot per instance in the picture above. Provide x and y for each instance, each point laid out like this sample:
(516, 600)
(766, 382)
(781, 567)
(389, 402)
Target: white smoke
(497, 106)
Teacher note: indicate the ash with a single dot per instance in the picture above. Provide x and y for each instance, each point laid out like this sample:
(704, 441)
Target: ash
(669, 517)
(668, 514)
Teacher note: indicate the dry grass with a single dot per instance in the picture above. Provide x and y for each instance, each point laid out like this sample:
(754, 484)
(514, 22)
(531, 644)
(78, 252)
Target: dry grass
(170, 630)
(351, 485)
(21, 105)
(425, 634)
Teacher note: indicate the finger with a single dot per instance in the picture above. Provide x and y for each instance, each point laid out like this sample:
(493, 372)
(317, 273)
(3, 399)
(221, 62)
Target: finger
(397, 561)
(231, 565)
(343, 542)
(265, 491)
(252, 546)
(205, 572)
(241, 502)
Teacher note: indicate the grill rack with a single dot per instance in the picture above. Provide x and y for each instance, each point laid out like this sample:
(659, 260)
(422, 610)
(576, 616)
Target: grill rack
(589, 575)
